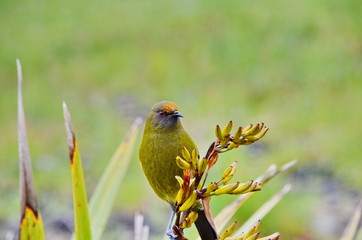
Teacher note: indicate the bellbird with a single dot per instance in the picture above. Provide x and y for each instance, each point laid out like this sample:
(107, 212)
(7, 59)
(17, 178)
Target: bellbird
(163, 139)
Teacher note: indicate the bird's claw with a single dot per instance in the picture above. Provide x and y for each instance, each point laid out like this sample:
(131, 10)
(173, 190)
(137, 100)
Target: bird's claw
(171, 235)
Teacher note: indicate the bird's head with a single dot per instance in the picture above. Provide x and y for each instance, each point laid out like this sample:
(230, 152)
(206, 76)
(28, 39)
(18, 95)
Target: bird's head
(165, 114)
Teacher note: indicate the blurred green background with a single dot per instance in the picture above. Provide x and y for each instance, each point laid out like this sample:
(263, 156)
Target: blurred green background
(295, 65)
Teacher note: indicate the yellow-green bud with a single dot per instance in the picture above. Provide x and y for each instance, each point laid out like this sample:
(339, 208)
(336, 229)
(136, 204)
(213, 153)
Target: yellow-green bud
(274, 236)
(227, 129)
(179, 196)
(229, 172)
(237, 237)
(193, 216)
(247, 128)
(189, 202)
(238, 133)
(230, 230)
(182, 163)
(252, 237)
(226, 189)
(201, 165)
(179, 180)
(186, 154)
(218, 133)
(211, 187)
(242, 187)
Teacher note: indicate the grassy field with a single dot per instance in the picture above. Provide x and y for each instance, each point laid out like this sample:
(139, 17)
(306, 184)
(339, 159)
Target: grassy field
(297, 66)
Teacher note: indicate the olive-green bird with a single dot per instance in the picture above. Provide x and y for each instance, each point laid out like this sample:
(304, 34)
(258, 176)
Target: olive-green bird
(163, 139)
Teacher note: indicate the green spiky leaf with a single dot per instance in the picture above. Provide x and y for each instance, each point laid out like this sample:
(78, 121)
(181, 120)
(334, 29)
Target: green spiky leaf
(31, 225)
(81, 215)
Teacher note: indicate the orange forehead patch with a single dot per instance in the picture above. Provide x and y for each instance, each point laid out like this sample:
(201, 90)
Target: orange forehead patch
(169, 108)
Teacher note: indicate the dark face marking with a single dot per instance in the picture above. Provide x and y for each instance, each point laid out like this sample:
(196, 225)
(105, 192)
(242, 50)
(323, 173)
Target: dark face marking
(165, 115)
(164, 119)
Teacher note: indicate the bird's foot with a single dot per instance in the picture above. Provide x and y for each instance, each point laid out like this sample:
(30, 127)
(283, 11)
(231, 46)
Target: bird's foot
(175, 233)
(172, 235)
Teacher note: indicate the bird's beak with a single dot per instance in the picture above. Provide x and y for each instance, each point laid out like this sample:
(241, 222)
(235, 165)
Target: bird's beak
(177, 114)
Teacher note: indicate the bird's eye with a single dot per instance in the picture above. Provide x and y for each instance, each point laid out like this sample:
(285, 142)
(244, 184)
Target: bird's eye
(161, 114)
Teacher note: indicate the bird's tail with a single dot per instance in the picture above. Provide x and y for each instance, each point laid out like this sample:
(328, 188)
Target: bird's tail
(205, 227)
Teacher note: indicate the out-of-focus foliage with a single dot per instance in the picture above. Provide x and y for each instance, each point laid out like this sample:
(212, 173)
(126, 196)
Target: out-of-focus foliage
(226, 213)
(31, 224)
(353, 227)
(105, 194)
(293, 65)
